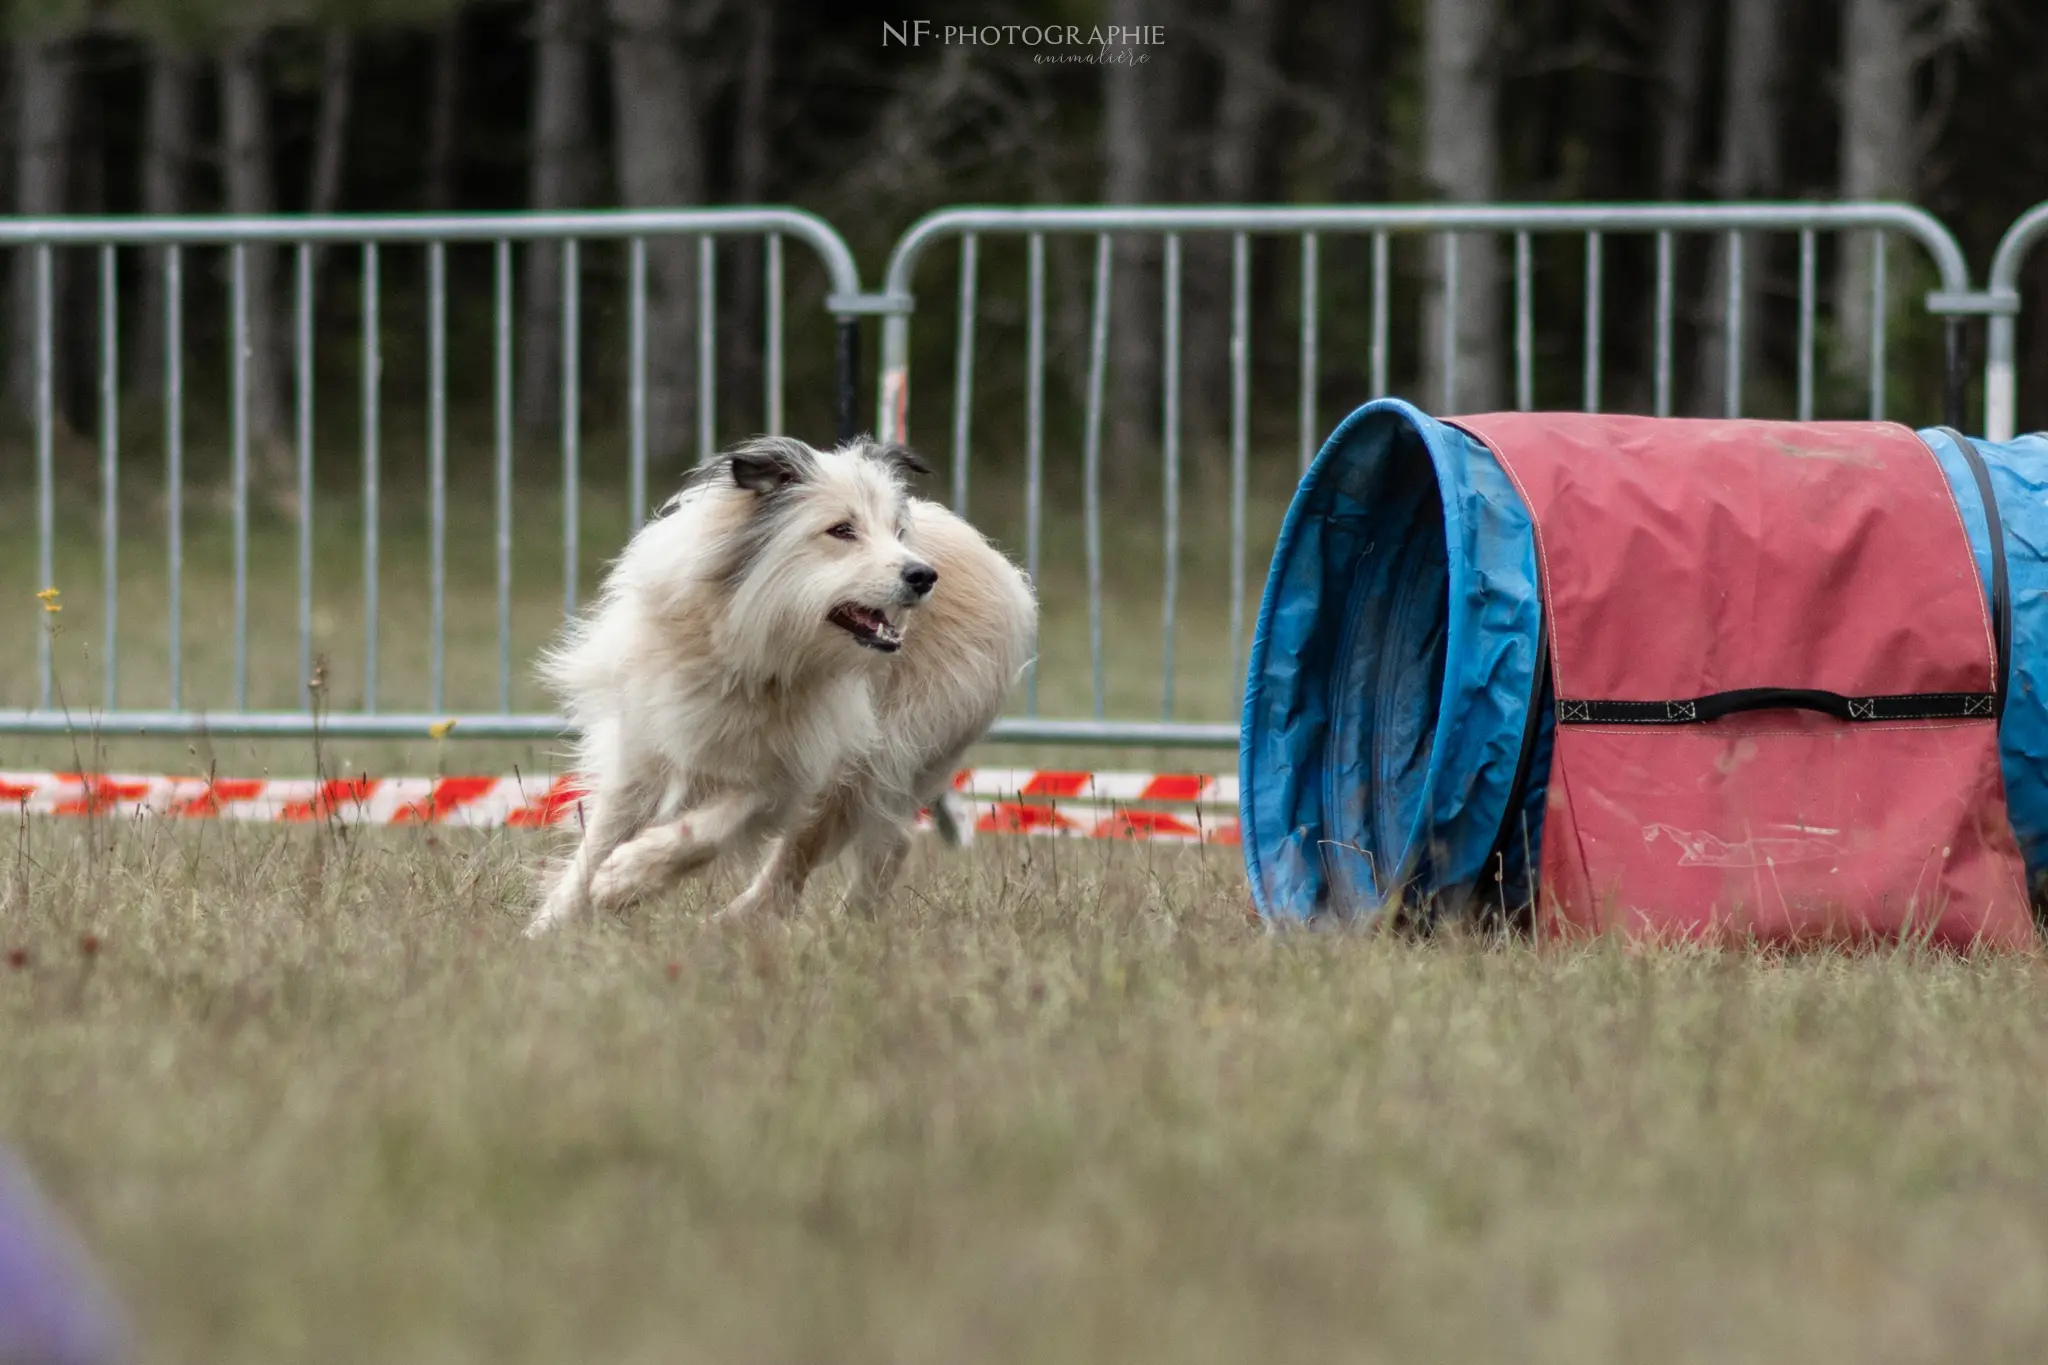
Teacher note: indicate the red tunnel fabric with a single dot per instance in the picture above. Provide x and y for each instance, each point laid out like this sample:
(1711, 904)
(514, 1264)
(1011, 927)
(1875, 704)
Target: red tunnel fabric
(1681, 559)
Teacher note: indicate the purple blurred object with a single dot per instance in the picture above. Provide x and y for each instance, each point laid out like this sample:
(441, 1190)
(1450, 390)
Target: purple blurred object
(53, 1308)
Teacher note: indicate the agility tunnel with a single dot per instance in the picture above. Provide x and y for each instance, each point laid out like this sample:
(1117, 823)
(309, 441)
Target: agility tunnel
(1667, 673)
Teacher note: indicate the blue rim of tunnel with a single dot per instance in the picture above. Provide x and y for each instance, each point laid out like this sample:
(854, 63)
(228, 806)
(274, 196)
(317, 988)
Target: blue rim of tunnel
(1352, 794)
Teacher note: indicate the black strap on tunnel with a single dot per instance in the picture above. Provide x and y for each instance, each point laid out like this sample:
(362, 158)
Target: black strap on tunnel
(2001, 596)
(1713, 706)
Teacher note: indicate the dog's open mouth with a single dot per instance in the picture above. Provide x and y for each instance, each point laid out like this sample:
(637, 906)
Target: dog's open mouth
(868, 626)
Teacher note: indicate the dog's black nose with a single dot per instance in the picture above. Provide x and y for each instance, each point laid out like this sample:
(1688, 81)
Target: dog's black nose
(920, 577)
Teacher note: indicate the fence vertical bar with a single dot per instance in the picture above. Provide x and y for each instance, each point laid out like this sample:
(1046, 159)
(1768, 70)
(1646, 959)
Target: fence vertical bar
(1808, 253)
(1240, 436)
(772, 333)
(174, 463)
(46, 472)
(1309, 340)
(963, 365)
(1595, 311)
(110, 468)
(1880, 311)
(1448, 342)
(572, 401)
(1091, 465)
(302, 314)
(1034, 425)
(1379, 314)
(238, 338)
(636, 381)
(1525, 346)
(437, 467)
(1169, 417)
(372, 385)
(501, 347)
(1662, 341)
(1731, 342)
(707, 354)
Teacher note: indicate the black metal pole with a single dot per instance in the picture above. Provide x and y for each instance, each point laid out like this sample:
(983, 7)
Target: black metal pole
(849, 378)
(1957, 380)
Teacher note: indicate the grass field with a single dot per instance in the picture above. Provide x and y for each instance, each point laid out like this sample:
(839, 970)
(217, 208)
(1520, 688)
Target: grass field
(313, 1100)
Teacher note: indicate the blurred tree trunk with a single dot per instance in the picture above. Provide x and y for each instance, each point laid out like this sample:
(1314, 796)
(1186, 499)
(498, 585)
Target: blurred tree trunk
(246, 166)
(558, 177)
(78, 297)
(1131, 160)
(1877, 154)
(659, 145)
(330, 135)
(330, 139)
(444, 104)
(1238, 166)
(45, 89)
(1461, 161)
(1681, 76)
(1751, 159)
(166, 182)
(753, 137)
(1360, 76)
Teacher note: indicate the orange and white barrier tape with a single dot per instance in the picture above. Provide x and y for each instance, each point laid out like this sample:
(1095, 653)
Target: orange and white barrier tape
(1194, 808)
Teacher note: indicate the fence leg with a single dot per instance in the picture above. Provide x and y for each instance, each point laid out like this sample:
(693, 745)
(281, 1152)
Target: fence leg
(849, 378)
(1958, 379)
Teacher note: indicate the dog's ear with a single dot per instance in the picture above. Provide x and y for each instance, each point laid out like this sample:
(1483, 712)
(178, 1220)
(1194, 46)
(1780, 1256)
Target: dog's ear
(770, 464)
(900, 458)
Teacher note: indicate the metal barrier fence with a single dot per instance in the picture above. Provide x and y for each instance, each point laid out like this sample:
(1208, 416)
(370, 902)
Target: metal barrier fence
(1446, 222)
(2001, 300)
(846, 305)
(373, 236)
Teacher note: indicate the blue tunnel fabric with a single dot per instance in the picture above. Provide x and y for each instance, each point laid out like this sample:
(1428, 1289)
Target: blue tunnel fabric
(2019, 485)
(1395, 655)
(1391, 670)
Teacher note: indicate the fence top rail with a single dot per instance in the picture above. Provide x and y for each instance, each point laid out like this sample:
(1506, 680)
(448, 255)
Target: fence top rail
(1907, 219)
(289, 229)
(2028, 229)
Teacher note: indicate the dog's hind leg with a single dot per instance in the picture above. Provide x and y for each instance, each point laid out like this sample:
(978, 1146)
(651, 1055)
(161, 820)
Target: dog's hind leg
(779, 885)
(662, 854)
(610, 818)
(879, 854)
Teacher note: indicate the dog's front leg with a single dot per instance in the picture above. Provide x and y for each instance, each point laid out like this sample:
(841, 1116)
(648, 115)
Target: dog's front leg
(610, 818)
(663, 853)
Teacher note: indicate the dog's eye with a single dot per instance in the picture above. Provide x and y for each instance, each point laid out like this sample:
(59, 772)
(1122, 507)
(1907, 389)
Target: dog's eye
(844, 531)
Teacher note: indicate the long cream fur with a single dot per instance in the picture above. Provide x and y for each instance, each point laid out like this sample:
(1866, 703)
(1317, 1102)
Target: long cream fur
(724, 712)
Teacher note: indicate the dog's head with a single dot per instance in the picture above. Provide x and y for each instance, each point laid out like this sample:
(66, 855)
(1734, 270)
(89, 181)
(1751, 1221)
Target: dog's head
(819, 552)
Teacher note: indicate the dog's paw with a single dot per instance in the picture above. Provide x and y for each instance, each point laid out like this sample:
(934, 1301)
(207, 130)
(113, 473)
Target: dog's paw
(748, 904)
(634, 866)
(733, 911)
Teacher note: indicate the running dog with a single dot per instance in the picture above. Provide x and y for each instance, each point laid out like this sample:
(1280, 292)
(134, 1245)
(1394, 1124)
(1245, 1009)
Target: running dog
(790, 659)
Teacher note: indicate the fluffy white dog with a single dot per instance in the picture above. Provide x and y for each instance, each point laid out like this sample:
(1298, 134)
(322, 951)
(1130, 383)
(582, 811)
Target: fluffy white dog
(792, 657)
